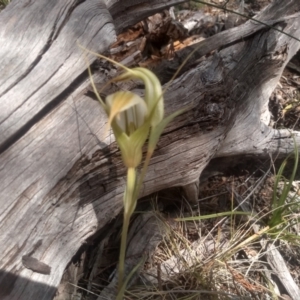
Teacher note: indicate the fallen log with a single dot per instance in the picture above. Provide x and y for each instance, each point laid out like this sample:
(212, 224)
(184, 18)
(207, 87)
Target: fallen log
(62, 174)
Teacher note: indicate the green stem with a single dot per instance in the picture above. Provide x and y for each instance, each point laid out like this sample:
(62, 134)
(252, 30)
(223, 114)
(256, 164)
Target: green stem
(143, 173)
(129, 206)
(123, 252)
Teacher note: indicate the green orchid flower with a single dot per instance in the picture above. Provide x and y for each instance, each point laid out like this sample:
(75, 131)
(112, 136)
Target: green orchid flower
(132, 117)
(134, 120)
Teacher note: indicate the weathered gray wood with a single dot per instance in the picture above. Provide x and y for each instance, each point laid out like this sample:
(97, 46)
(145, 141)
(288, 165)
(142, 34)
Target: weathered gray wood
(129, 12)
(53, 59)
(40, 63)
(61, 177)
(145, 234)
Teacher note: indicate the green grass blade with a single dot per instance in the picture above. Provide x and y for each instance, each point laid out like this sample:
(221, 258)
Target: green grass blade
(217, 215)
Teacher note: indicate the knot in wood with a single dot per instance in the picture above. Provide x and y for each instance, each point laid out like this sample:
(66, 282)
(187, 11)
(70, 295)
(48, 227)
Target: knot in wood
(213, 108)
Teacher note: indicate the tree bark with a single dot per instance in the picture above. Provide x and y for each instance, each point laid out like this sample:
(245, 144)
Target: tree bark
(62, 174)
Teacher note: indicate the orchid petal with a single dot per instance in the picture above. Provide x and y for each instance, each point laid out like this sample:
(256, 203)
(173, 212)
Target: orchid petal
(153, 91)
(131, 146)
(153, 95)
(120, 103)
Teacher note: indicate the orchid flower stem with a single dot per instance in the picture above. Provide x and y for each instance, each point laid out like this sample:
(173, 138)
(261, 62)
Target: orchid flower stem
(123, 252)
(129, 206)
(130, 199)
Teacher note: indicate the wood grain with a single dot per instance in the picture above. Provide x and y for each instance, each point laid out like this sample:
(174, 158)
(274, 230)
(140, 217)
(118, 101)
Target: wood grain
(62, 178)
